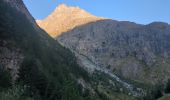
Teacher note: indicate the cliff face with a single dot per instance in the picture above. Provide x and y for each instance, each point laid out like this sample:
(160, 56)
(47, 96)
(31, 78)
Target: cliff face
(137, 52)
(65, 18)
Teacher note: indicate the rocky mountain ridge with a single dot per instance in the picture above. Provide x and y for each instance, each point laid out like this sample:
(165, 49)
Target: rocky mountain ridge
(65, 18)
(134, 51)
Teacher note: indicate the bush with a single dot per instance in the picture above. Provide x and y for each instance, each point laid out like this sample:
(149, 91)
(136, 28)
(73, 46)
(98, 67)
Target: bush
(167, 90)
(17, 92)
(5, 78)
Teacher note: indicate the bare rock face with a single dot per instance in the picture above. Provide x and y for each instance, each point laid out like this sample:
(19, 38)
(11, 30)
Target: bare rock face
(65, 18)
(137, 52)
(10, 58)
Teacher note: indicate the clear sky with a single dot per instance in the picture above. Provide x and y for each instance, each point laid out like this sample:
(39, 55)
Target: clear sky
(139, 11)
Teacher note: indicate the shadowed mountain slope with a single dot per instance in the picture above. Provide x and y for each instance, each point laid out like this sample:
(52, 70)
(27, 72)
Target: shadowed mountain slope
(40, 68)
(137, 52)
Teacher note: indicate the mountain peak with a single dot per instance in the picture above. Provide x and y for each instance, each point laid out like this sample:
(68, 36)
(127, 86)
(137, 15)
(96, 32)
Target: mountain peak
(65, 18)
(64, 7)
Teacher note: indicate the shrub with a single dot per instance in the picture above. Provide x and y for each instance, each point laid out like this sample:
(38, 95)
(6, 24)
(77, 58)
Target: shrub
(5, 78)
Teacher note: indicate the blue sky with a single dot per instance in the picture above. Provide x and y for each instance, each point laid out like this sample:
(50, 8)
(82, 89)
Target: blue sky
(139, 11)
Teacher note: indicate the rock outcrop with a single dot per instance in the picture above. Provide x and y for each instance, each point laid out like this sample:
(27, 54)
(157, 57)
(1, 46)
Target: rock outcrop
(11, 58)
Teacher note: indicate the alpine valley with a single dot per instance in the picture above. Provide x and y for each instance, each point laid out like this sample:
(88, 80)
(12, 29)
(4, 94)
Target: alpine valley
(74, 55)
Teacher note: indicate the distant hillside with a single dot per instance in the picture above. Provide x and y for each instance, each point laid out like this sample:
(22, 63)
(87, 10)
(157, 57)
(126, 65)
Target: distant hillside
(137, 52)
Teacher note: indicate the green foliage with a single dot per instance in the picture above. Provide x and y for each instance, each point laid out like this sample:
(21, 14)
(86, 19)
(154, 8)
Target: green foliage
(167, 90)
(165, 97)
(17, 92)
(5, 78)
(102, 96)
(154, 92)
